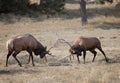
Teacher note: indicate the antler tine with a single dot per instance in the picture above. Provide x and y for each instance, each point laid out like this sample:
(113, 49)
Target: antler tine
(59, 39)
(56, 42)
(65, 42)
(51, 54)
(53, 45)
(50, 48)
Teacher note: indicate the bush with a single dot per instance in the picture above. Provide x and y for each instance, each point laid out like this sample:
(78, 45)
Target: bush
(24, 6)
(103, 1)
(100, 1)
(7, 6)
(52, 6)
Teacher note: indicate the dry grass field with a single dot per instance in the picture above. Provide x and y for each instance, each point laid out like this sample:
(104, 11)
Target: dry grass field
(68, 26)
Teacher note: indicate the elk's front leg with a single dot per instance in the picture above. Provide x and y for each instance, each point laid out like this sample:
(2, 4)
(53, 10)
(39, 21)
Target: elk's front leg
(84, 55)
(78, 58)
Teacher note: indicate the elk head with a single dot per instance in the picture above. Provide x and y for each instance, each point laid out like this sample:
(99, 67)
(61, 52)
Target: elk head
(75, 49)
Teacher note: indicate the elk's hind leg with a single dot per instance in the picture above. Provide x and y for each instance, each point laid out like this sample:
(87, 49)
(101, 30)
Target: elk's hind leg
(14, 55)
(8, 55)
(103, 54)
(95, 53)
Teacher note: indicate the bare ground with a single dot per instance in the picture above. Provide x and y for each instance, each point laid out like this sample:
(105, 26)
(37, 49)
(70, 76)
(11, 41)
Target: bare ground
(59, 69)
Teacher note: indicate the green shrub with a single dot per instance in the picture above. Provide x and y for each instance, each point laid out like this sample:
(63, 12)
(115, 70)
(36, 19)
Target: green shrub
(100, 1)
(103, 1)
(52, 6)
(24, 6)
(13, 5)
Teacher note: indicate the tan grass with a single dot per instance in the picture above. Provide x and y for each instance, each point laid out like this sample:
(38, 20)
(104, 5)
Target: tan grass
(63, 71)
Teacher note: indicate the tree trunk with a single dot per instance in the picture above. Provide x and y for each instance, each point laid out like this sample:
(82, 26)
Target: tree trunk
(83, 12)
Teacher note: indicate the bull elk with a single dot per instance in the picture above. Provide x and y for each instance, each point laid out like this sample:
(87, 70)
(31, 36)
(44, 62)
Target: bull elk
(27, 43)
(83, 44)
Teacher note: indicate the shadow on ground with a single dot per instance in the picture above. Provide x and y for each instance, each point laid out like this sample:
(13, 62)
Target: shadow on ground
(12, 72)
(108, 25)
(115, 59)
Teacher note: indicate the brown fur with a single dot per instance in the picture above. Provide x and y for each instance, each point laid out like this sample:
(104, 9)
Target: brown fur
(83, 44)
(24, 42)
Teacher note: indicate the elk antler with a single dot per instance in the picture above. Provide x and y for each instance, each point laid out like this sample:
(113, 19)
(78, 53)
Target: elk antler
(65, 42)
(56, 43)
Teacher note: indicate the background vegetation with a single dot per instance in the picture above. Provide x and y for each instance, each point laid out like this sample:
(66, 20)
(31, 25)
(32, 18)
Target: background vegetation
(24, 6)
(103, 22)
